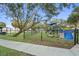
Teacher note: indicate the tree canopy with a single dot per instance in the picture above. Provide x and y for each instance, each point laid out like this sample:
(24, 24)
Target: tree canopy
(76, 9)
(73, 18)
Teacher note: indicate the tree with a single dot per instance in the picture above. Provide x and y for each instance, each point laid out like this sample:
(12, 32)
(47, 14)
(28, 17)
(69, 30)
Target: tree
(23, 12)
(20, 18)
(74, 19)
(76, 9)
(51, 9)
(2, 25)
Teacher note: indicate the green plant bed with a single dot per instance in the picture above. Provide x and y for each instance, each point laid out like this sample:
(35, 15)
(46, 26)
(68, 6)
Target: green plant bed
(66, 28)
(10, 52)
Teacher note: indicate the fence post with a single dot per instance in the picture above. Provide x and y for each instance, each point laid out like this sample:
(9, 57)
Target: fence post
(75, 37)
(24, 35)
(41, 36)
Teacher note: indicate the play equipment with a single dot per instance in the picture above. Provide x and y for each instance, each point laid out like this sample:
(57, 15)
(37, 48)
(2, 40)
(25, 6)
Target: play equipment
(53, 30)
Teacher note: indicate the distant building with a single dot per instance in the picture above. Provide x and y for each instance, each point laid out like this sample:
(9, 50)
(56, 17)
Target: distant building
(8, 29)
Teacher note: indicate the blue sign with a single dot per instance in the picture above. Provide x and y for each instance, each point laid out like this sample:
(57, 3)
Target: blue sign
(68, 35)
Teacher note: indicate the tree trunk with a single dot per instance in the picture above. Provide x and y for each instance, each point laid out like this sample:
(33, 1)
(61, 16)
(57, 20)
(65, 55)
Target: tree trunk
(15, 30)
(41, 36)
(31, 32)
(24, 35)
(77, 35)
(15, 35)
(10, 31)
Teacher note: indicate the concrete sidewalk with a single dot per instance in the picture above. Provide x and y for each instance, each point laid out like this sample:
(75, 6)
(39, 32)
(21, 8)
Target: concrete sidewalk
(38, 50)
(75, 49)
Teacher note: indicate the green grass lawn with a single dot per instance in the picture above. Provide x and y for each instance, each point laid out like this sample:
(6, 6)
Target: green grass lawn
(10, 52)
(35, 38)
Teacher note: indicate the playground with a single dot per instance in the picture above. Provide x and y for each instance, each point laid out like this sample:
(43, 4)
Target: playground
(37, 25)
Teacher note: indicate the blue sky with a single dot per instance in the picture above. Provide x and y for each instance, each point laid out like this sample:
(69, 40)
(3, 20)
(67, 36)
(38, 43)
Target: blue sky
(63, 15)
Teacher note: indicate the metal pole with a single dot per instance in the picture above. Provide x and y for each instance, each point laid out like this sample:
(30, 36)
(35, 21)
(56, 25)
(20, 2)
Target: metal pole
(41, 36)
(75, 36)
(24, 35)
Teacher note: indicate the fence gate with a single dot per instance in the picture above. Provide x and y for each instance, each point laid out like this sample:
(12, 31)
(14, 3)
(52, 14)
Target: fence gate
(76, 36)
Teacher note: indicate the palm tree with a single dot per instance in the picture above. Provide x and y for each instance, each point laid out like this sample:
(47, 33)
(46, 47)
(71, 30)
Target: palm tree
(74, 19)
